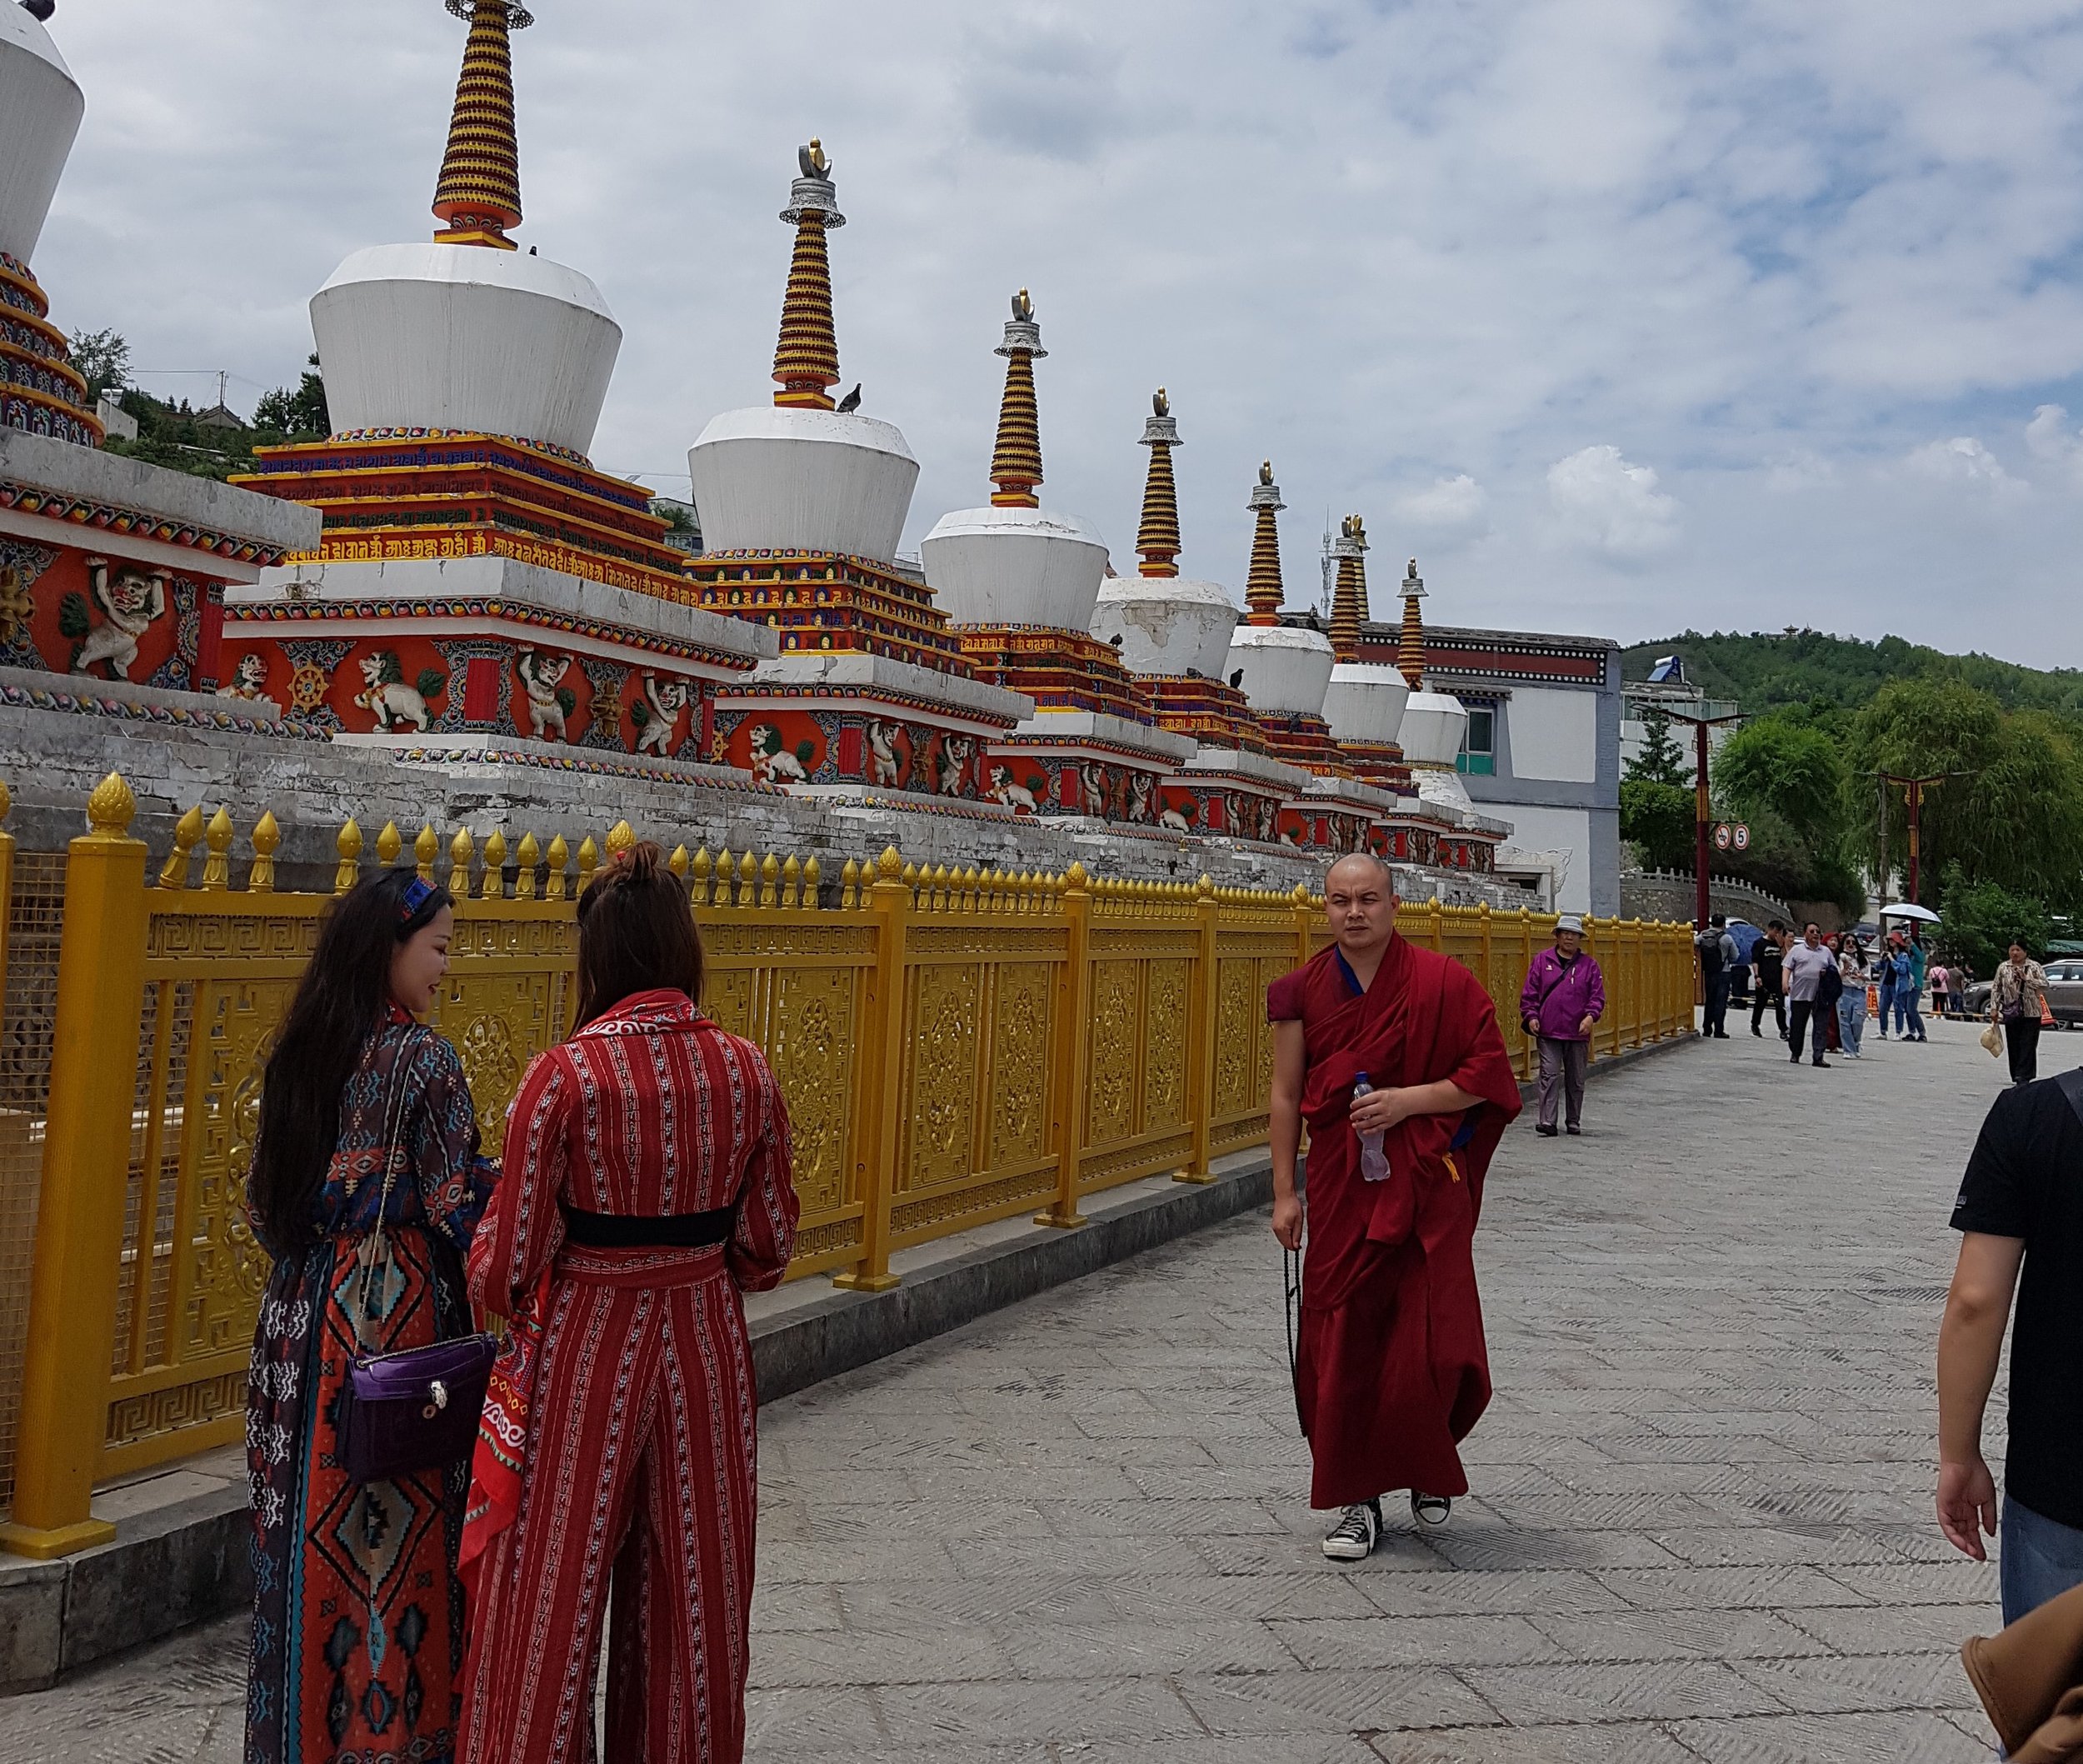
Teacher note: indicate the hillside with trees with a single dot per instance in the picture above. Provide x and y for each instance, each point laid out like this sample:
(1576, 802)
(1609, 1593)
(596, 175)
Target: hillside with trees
(2002, 835)
(184, 439)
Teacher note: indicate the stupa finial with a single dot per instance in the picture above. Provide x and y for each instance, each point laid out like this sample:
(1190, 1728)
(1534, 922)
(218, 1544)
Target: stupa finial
(1409, 648)
(478, 196)
(1158, 534)
(1016, 461)
(1349, 601)
(1263, 590)
(807, 359)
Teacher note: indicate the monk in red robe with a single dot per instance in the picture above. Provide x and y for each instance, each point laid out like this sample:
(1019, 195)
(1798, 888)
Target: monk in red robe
(1390, 1370)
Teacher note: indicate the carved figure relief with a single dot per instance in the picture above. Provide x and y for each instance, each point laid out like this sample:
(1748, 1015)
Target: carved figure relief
(550, 702)
(656, 715)
(1113, 1054)
(385, 693)
(130, 600)
(1142, 797)
(886, 767)
(951, 763)
(249, 678)
(1020, 1064)
(773, 762)
(1094, 789)
(943, 1075)
(17, 604)
(1026, 799)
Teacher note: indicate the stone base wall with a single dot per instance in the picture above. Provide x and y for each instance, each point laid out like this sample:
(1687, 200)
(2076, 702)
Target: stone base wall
(1667, 894)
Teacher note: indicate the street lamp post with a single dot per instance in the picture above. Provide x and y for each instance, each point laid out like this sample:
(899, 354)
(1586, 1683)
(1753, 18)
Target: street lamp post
(1702, 813)
(1913, 798)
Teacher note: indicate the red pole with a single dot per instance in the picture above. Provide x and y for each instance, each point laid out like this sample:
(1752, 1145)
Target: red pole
(1916, 802)
(1700, 825)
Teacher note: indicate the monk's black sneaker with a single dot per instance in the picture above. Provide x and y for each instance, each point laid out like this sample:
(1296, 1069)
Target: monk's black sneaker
(1429, 1509)
(1353, 1537)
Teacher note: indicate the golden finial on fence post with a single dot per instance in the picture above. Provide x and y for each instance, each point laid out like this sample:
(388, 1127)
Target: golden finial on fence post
(425, 850)
(187, 834)
(747, 878)
(529, 855)
(112, 807)
(559, 855)
(492, 885)
(588, 862)
(769, 882)
(390, 845)
(348, 845)
(813, 873)
(460, 849)
(791, 882)
(621, 837)
(700, 887)
(267, 838)
(217, 866)
(850, 885)
(677, 863)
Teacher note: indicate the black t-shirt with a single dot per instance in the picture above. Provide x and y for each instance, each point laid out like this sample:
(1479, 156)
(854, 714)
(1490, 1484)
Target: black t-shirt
(1766, 956)
(2025, 1180)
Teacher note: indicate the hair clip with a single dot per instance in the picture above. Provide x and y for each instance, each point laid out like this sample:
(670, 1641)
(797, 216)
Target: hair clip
(418, 892)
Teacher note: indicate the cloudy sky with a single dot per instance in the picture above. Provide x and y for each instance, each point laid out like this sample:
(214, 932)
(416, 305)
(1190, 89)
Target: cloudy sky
(1623, 315)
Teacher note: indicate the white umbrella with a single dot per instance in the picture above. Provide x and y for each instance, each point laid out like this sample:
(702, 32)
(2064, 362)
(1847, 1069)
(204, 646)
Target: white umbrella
(1910, 910)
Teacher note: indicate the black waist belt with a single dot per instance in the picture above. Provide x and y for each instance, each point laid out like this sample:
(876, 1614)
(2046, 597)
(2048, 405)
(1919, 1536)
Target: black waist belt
(674, 1230)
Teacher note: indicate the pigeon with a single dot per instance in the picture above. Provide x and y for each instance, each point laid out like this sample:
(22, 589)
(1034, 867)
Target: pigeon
(40, 10)
(851, 403)
(531, 251)
(1237, 679)
(1116, 639)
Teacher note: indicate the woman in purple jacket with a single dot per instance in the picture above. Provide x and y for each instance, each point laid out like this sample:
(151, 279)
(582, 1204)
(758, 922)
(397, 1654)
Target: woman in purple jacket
(1564, 995)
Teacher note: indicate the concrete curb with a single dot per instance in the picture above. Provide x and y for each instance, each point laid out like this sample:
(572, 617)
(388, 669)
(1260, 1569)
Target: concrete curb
(187, 1562)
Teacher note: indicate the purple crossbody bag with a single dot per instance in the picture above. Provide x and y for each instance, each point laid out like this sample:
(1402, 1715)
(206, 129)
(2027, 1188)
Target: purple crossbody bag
(417, 1409)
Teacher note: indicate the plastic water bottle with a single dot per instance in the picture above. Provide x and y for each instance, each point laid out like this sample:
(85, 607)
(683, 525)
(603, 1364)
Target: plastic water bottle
(1374, 1156)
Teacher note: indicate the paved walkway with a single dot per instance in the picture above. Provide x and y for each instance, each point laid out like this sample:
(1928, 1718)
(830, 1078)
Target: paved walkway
(1079, 1530)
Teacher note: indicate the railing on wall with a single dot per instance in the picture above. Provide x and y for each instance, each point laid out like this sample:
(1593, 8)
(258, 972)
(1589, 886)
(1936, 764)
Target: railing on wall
(956, 1046)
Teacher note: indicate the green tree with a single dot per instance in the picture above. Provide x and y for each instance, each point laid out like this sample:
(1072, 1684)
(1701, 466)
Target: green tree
(1795, 769)
(103, 356)
(1979, 920)
(1658, 819)
(298, 415)
(1661, 761)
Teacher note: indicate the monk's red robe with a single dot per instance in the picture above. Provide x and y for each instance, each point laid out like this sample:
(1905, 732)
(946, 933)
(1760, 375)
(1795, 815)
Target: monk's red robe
(1390, 1369)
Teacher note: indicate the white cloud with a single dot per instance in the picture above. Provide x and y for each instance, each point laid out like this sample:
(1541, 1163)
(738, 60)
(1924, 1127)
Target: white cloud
(1612, 506)
(1964, 460)
(1445, 503)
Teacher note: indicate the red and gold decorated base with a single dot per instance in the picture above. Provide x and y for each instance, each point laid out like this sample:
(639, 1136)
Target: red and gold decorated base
(1215, 714)
(1060, 670)
(41, 392)
(1306, 741)
(819, 601)
(390, 495)
(1320, 827)
(82, 612)
(1379, 764)
(853, 741)
(1080, 776)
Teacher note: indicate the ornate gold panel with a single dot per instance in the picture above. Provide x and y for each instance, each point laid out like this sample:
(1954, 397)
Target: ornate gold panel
(811, 1047)
(228, 1268)
(131, 1418)
(499, 1020)
(940, 1122)
(937, 1215)
(1111, 1066)
(727, 997)
(1236, 1038)
(1020, 1044)
(1164, 1046)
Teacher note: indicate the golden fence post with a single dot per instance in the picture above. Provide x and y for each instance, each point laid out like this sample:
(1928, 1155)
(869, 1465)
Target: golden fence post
(1074, 1005)
(882, 1070)
(7, 884)
(1305, 922)
(1201, 1039)
(79, 1226)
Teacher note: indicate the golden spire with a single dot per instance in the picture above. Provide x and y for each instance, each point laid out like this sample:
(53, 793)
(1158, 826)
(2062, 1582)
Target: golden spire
(807, 359)
(1016, 462)
(1409, 649)
(479, 193)
(1349, 603)
(1262, 587)
(1157, 537)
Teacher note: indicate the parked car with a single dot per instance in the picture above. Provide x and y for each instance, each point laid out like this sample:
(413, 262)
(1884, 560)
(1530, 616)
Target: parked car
(2065, 993)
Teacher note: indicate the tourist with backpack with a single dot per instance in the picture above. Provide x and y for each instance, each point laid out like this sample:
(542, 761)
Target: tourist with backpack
(1717, 955)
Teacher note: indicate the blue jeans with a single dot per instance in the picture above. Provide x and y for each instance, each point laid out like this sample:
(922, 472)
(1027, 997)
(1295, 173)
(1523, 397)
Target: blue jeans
(1851, 1017)
(1887, 1007)
(2040, 1559)
(1910, 1000)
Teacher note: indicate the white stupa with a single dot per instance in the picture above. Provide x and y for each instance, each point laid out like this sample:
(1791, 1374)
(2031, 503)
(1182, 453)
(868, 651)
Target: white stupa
(801, 474)
(1285, 669)
(1434, 723)
(1364, 703)
(467, 333)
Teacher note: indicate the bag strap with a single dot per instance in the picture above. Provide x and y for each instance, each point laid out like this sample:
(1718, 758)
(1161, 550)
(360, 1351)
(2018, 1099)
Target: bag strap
(378, 1244)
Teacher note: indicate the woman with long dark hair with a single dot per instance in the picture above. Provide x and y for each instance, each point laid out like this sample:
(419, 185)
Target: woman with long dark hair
(358, 1613)
(647, 1187)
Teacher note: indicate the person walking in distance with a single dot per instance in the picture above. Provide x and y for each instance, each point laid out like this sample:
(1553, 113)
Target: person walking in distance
(366, 1189)
(1379, 1039)
(1806, 965)
(1909, 999)
(1941, 990)
(1852, 1002)
(1768, 983)
(1563, 998)
(2017, 997)
(648, 1185)
(2021, 1206)
(1717, 958)
(1884, 971)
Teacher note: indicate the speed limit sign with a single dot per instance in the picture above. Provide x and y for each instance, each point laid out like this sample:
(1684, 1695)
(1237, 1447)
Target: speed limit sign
(1739, 836)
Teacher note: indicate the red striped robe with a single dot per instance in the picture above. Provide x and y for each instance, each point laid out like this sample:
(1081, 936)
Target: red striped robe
(639, 1450)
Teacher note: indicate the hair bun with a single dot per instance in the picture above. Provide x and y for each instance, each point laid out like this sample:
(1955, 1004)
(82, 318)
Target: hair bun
(637, 866)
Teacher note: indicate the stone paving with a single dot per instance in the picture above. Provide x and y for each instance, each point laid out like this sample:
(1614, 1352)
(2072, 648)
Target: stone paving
(1701, 1525)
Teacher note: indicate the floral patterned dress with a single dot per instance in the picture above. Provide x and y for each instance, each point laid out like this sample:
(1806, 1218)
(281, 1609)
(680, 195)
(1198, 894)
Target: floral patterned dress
(357, 1614)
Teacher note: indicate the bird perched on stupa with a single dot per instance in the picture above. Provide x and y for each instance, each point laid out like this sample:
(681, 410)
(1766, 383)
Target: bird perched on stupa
(851, 403)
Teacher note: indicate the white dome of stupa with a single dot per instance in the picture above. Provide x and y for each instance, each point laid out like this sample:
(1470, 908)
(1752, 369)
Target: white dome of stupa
(1364, 701)
(1170, 625)
(1286, 667)
(40, 105)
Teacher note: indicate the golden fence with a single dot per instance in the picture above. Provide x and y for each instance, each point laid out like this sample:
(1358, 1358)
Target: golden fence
(956, 1046)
